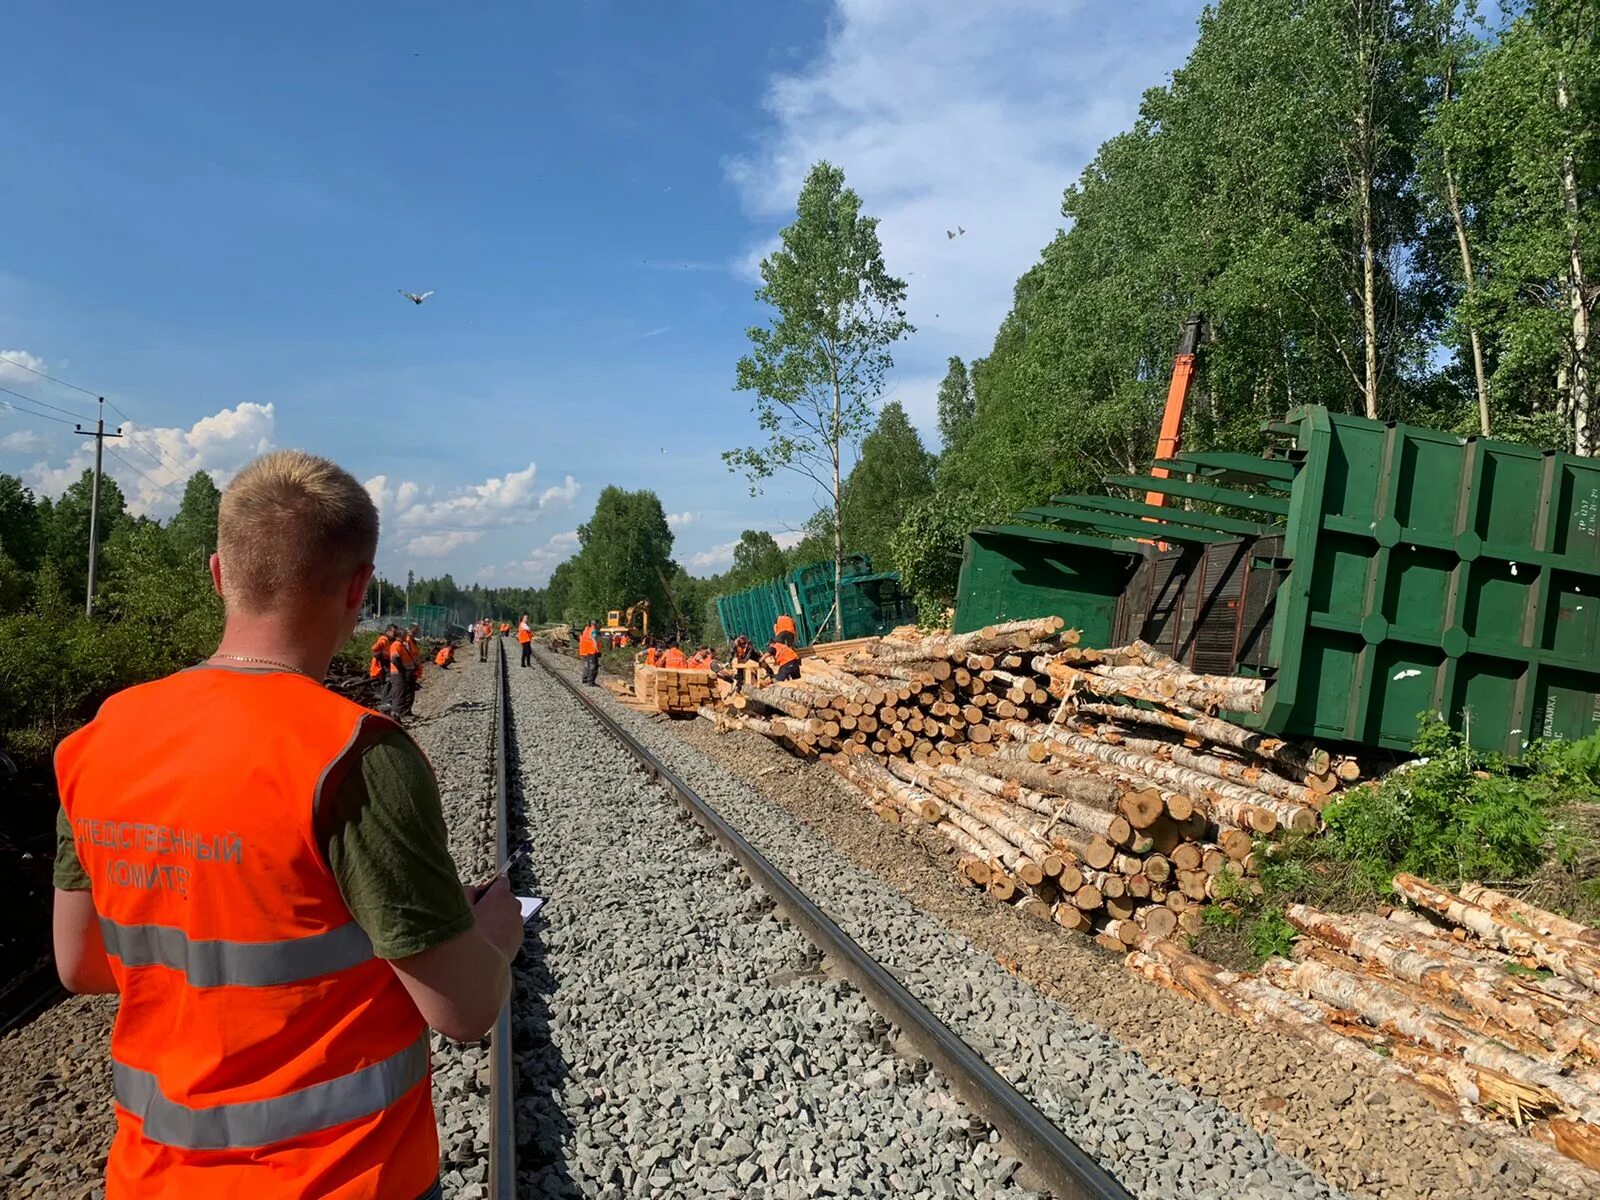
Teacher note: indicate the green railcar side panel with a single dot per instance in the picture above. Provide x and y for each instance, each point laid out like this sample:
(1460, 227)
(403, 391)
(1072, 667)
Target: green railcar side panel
(1008, 576)
(1433, 573)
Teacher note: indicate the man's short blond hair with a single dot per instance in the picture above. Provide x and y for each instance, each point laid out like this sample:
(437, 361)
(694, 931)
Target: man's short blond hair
(292, 527)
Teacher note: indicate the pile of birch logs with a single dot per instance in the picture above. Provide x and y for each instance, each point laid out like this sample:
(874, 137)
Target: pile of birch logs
(1486, 1002)
(1095, 788)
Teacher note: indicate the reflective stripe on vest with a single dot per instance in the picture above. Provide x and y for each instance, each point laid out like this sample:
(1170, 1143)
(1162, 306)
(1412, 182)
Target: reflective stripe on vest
(264, 1122)
(217, 963)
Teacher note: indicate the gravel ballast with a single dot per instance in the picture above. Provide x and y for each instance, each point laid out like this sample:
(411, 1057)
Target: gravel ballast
(651, 921)
(897, 894)
(56, 1120)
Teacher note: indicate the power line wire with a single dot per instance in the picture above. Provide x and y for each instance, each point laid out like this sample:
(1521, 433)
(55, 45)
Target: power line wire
(172, 468)
(44, 403)
(28, 412)
(13, 362)
(153, 483)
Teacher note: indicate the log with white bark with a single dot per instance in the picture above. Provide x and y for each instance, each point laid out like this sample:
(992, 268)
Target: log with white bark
(1427, 961)
(1383, 1007)
(1535, 918)
(1569, 959)
(1228, 801)
(1236, 692)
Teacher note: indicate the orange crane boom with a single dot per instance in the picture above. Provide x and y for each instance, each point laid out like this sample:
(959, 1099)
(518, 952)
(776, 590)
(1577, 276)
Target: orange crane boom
(1171, 437)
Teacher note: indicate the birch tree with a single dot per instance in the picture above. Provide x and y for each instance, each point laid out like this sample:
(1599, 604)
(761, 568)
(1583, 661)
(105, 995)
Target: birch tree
(818, 366)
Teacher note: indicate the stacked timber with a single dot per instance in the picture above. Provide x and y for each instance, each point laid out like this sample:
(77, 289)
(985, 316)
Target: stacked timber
(676, 691)
(1099, 789)
(1488, 1003)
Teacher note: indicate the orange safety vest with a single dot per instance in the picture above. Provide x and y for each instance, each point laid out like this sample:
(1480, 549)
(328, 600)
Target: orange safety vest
(445, 656)
(402, 655)
(380, 656)
(701, 660)
(260, 1049)
(784, 624)
(674, 658)
(652, 657)
(587, 642)
(524, 634)
(504, 627)
(784, 654)
(484, 629)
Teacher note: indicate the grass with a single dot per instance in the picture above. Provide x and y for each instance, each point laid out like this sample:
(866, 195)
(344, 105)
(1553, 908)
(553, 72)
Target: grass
(1455, 814)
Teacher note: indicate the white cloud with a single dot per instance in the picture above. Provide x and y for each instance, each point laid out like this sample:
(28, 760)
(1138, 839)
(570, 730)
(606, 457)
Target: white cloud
(437, 545)
(788, 539)
(152, 464)
(544, 559)
(13, 364)
(969, 115)
(559, 496)
(718, 558)
(681, 520)
(23, 440)
(492, 500)
(505, 500)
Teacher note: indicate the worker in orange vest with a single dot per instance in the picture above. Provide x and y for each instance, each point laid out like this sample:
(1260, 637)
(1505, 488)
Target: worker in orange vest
(403, 664)
(652, 656)
(484, 632)
(702, 659)
(786, 661)
(589, 654)
(446, 655)
(505, 628)
(279, 912)
(525, 636)
(783, 629)
(674, 658)
(380, 652)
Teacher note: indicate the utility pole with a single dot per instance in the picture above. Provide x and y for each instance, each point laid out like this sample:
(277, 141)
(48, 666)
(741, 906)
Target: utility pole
(99, 435)
(411, 582)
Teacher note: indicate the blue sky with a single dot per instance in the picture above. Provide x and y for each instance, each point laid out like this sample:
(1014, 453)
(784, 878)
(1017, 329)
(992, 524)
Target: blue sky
(209, 211)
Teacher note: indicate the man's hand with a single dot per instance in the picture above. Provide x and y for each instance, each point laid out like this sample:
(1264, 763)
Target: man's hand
(499, 917)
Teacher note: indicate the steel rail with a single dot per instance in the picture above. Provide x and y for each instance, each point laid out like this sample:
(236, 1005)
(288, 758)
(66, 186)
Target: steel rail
(502, 1070)
(1055, 1159)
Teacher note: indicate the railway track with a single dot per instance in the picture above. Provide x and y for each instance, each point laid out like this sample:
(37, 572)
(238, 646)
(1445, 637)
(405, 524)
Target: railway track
(1054, 1160)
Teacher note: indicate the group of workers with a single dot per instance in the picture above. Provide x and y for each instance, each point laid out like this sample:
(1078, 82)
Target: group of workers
(397, 662)
(781, 660)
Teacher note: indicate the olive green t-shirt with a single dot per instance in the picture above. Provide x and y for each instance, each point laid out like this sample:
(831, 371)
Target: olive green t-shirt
(384, 838)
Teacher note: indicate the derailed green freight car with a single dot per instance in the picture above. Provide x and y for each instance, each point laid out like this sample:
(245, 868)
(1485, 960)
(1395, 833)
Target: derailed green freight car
(873, 603)
(1369, 571)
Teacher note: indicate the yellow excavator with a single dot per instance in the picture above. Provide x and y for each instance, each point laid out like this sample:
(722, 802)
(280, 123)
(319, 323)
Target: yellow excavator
(633, 621)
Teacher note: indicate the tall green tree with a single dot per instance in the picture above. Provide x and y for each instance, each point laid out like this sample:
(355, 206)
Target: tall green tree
(22, 530)
(893, 472)
(625, 555)
(67, 538)
(1523, 133)
(817, 368)
(194, 527)
(756, 558)
(956, 404)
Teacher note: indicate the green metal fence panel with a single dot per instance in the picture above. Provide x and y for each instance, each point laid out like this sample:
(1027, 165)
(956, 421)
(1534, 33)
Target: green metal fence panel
(1013, 572)
(432, 617)
(871, 603)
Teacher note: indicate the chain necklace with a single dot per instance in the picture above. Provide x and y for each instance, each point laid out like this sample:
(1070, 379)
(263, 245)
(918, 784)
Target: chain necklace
(266, 662)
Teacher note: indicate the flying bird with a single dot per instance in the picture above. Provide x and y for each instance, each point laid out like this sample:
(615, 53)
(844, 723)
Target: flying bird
(954, 233)
(414, 298)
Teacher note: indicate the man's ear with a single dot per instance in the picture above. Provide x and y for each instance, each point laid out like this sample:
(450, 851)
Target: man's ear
(216, 573)
(356, 595)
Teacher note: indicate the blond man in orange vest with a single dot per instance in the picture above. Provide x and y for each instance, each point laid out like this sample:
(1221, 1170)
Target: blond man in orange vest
(260, 868)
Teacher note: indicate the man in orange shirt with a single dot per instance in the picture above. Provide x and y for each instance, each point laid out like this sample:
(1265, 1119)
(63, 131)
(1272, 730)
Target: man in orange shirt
(278, 912)
(589, 654)
(786, 660)
(380, 653)
(484, 632)
(783, 629)
(525, 636)
(674, 658)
